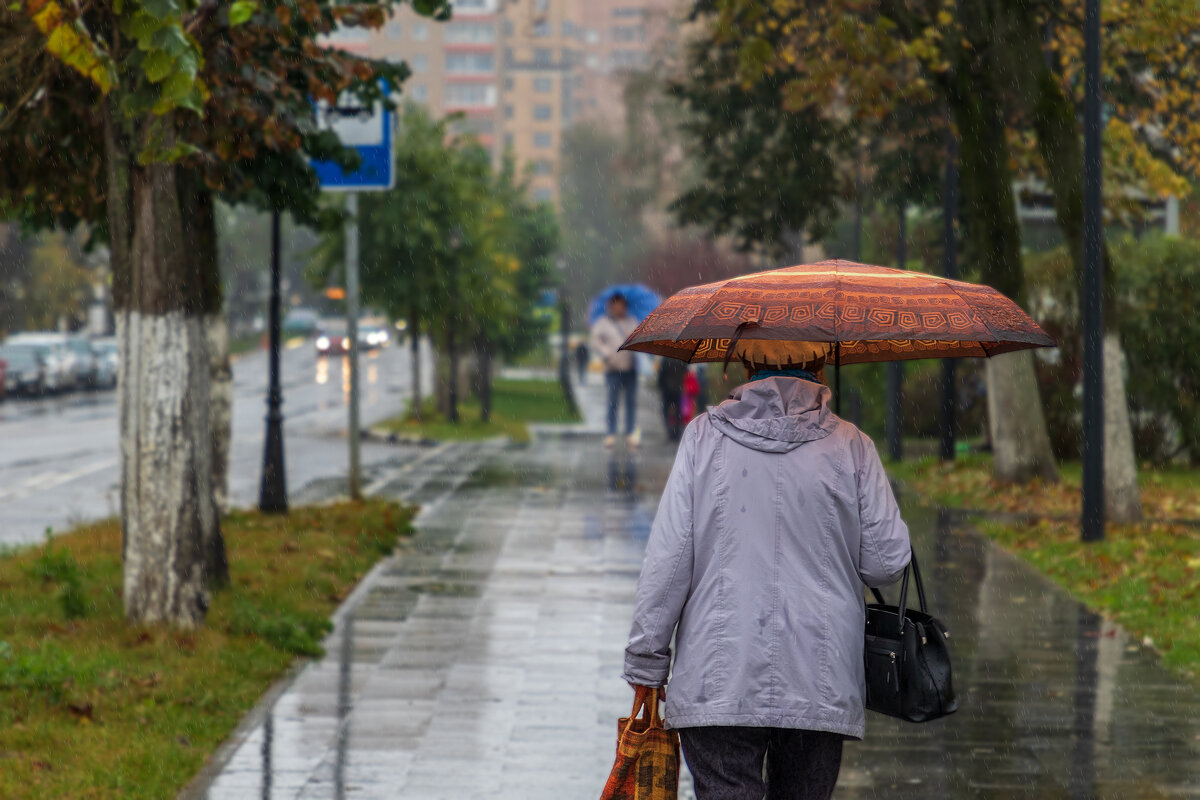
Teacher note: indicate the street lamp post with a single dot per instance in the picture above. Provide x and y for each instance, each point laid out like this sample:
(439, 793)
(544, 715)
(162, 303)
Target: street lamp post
(1092, 291)
(272, 493)
(949, 270)
(895, 369)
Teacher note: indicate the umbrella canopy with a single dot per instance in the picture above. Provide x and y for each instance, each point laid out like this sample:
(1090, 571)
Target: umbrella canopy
(641, 300)
(873, 313)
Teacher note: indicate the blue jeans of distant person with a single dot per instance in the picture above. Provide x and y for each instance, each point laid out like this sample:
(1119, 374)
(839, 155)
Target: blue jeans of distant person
(618, 383)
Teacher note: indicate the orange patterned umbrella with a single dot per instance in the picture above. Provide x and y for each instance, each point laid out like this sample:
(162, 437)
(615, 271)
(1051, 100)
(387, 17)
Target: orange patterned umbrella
(872, 313)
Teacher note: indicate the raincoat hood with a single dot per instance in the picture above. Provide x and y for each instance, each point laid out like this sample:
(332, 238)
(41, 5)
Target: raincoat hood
(775, 415)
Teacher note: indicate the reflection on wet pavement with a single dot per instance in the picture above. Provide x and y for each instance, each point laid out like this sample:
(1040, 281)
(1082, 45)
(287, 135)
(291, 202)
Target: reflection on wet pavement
(484, 661)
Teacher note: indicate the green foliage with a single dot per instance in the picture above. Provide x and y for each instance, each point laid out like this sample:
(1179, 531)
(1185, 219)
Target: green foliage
(56, 567)
(515, 404)
(1155, 288)
(95, 708)
(292, 632)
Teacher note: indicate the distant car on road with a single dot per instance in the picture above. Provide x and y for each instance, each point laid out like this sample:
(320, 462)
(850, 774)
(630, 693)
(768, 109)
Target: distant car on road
(332, 339)
(301, 322)
(25, 370)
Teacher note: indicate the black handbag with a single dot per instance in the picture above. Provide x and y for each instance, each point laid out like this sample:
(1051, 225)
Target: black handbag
(907, 658)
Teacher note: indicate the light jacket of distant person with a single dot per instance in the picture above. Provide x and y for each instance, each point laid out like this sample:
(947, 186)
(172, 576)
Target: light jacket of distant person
(608, 335)
(775, 515)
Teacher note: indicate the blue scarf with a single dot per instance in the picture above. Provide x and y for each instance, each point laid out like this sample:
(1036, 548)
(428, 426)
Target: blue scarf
(785, 373)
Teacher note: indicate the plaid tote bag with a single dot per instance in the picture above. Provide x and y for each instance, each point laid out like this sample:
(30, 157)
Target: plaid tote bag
(647, 763)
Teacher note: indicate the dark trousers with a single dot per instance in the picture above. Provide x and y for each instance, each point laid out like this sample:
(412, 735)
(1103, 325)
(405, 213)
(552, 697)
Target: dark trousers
(672, 403)
(622, 383)
(727, 763)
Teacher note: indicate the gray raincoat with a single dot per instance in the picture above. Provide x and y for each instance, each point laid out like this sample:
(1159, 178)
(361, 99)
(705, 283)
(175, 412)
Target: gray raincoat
(775, 515)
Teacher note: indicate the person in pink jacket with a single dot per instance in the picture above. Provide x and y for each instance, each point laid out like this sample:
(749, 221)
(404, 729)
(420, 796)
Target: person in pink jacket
(776, 514)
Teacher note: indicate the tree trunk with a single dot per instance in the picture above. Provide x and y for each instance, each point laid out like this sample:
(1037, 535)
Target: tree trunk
(1061, 147)
(485, 381)
(1122, 497)
(452, 386)
(1017, 424)
(167, 510)
(414, 344)
(198, 212)
(1020, 448)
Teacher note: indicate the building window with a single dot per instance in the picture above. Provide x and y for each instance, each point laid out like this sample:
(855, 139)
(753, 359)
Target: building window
(542, 84)
(568, 28)
(543, 167)
(470, 32)
(543, 56)
(508, 112)
(541, 6)
(420, 92)
(543, 112)
(628, 33)
(626, 11)
(394, 29)
(508, 140)
(627, 59)
(541, 28)
(472, 5)
(509, 83)
(419, 63)
(470, 94)
(543, 140)
(478, 126)
(420, 31)
(592, 37)
(543, 194)
(469, 63)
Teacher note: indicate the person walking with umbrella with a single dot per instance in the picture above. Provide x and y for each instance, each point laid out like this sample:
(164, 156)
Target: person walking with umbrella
(776, 513)
(620, 371)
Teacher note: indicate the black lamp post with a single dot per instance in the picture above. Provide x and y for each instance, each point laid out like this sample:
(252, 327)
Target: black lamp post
(272, 494)
(949, 270)
(895, 369)
(1092, 291)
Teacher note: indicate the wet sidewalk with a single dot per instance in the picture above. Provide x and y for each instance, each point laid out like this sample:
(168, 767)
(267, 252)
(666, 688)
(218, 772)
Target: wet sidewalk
(484, 660)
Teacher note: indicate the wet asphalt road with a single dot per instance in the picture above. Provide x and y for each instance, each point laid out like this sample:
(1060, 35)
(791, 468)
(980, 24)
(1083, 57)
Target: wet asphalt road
(58, 456)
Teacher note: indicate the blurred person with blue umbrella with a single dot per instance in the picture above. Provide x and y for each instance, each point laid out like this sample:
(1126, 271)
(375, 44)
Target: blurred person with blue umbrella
(640, 301)
(610, 328)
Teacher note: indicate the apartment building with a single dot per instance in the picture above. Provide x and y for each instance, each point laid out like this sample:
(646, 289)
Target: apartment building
(520, 71)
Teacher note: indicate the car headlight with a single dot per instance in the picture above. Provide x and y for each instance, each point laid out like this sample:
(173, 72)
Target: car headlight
(346, 343)
(322, 342)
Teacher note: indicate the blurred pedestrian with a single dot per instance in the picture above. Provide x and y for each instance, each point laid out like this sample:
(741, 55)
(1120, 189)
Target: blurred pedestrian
(671, 376)
(620, 370)
(691, 395)
(582, 356)
(777, 512)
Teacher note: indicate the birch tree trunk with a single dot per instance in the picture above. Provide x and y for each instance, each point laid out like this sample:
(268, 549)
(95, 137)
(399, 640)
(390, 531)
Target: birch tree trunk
(167, 509)
(1122, 496)
(1016, 421)
(198, 213)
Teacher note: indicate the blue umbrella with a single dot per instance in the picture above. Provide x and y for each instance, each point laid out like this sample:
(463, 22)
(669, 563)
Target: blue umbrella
(641, 300)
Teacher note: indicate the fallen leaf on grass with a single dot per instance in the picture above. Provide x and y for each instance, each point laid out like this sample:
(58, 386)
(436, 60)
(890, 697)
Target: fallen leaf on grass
(81, 710)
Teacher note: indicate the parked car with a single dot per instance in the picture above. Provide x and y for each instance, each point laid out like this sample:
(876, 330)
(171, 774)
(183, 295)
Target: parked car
(106, 361)
(62, 365)
(3, 378)
(25, 370)
(87, 361)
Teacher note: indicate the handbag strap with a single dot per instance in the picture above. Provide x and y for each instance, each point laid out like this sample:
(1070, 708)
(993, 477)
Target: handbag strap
(903, 605)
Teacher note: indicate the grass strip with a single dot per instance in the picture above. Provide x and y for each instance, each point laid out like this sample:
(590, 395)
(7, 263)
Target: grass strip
(515, 404)
(92, 707)
(1145, 576)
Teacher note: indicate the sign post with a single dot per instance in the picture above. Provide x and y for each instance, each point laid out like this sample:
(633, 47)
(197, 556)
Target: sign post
(369, 131)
